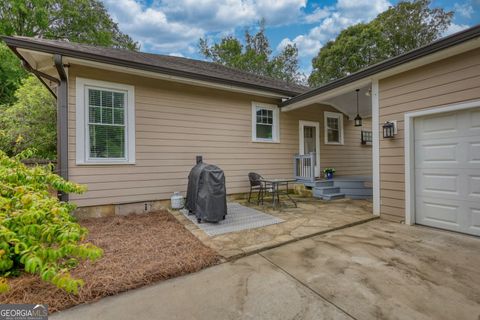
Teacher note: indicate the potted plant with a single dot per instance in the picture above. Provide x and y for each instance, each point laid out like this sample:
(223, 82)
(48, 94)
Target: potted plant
(328, 173)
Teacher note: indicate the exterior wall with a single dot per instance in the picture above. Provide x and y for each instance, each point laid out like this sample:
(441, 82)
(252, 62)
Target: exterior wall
(176, 122)
(449, 81)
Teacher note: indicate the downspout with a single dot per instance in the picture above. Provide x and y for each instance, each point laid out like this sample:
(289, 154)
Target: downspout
(62, 123)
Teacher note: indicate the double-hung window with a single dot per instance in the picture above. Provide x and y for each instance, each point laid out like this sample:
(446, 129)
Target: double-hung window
(333, 128)
(265, 122)
(105, 123)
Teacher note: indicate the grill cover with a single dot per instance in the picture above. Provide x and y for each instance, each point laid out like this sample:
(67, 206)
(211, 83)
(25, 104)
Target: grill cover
(206, 194)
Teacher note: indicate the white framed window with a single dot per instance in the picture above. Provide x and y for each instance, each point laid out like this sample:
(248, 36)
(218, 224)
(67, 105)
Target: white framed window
(105, 122)
(333, 127)
(265, 122)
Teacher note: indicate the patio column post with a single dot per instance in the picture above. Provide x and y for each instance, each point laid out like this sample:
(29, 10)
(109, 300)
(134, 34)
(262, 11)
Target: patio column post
(376, 147)
(312, 166)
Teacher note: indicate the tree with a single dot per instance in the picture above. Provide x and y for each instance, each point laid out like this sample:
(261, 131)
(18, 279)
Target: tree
(30, 122)
(84, 21)
(355, 48)
(11, 74)
(254, 56)
(400, 29)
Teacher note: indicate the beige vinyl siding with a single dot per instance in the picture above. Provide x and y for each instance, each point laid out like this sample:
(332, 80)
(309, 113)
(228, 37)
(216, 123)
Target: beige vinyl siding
(449, 81)
(176, 122)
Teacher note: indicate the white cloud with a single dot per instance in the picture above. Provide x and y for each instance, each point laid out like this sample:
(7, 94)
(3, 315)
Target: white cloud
(454, 28)
(176, 25)
(318, 14)
(151, 27)
(463, 9)
(176, 54)
(332, 20)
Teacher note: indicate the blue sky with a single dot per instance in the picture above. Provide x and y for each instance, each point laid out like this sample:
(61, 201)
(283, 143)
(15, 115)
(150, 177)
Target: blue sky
(174, 26)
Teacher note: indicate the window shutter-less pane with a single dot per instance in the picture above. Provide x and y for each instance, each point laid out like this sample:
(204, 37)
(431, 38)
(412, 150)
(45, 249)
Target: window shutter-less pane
(106, 124)
(118, 116)
(264, 131)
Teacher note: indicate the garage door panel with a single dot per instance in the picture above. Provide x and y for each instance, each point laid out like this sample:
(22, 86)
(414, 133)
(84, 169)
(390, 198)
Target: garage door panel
(464, 153)
(438, 214)
(443, 152)
(474, 120)
(473, 152)
(474, 221)
(473, 190)
(440, 126)
(447, 171)
(442, 182)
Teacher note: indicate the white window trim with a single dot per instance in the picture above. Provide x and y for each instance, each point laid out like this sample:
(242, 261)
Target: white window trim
(276, 122)
(339, 116)
(82, 141)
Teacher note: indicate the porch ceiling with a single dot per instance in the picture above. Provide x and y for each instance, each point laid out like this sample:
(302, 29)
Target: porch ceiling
(347, 102)
(343, 99)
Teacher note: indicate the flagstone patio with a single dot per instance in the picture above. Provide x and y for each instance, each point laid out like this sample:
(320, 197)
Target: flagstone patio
(311, 217)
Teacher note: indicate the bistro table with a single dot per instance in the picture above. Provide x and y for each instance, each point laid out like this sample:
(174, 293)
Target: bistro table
(276, 191)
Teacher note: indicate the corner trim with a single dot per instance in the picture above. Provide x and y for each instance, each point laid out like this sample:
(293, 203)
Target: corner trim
(376, 147)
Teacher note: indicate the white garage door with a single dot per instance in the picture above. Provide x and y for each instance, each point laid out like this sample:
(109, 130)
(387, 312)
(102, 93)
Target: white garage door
(447, 171)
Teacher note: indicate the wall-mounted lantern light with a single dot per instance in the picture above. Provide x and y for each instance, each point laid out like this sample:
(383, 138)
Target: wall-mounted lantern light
(358, 119)
(389, 129)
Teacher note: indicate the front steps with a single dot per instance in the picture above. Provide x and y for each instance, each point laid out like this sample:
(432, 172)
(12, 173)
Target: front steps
(341, 187)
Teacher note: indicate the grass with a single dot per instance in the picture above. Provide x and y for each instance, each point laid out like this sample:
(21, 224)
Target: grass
(138, 250)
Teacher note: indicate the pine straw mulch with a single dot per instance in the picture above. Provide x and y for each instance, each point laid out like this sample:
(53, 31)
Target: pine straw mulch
(138, 250)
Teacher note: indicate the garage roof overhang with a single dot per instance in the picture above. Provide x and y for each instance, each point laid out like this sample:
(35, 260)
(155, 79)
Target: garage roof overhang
(443, 48)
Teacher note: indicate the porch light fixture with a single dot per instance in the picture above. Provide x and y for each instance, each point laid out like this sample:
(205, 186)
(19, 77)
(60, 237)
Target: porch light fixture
(358, 119)
(389, 129)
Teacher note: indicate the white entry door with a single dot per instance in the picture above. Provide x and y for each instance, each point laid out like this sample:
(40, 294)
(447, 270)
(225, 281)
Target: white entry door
(447, 171)
(310, 141)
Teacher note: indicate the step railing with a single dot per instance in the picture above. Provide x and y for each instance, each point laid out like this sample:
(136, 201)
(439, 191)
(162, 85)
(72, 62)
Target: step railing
(304, 166)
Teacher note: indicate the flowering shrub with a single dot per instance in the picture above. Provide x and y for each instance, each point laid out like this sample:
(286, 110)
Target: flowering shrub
(37, 232)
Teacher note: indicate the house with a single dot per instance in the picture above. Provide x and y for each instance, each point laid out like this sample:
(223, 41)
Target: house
(130, 125)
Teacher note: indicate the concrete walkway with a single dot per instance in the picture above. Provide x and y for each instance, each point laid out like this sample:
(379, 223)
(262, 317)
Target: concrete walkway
(377, 270)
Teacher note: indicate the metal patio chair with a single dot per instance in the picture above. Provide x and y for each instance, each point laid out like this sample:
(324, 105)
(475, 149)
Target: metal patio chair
(256, 184)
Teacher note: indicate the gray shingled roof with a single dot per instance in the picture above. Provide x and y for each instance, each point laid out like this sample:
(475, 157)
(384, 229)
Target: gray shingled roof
(183, 67)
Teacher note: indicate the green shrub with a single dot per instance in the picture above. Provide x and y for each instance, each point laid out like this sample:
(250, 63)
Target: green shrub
(37, 231)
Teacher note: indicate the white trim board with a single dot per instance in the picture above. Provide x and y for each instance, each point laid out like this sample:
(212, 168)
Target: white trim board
(409, 117)
(301, 149)
(375, 147)
(81, 134)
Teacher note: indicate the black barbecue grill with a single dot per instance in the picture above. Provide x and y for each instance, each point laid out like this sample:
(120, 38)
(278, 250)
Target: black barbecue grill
(206, 194)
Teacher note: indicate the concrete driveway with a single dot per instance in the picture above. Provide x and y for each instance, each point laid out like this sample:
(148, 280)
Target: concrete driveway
(377, 270)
